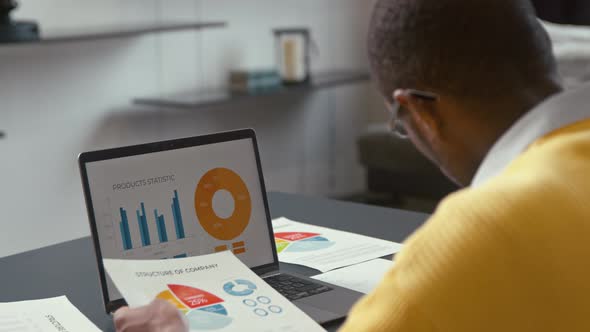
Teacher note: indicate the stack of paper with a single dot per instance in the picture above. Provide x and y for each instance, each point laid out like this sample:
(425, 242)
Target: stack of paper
(50, 315)
(215, 292)
(326, 249)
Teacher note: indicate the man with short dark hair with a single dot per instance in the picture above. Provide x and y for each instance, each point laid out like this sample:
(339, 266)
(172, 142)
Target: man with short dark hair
(489, 62)
(474, 85)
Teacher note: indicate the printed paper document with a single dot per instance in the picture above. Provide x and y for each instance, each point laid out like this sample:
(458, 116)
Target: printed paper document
(326, 249)
(362, 277)
(48, 315)
(214, 292)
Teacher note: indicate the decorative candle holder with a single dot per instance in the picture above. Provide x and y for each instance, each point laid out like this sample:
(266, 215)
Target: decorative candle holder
(12, 31)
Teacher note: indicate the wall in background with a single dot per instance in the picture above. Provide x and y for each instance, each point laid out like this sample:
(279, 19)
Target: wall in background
(59, 100)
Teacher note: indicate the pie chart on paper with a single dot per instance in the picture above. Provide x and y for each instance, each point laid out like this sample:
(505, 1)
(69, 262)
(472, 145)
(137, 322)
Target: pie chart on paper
(301, 242)
(203, 310)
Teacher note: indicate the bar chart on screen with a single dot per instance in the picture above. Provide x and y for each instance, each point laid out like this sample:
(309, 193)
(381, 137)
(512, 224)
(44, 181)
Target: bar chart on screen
(143, 220)
(168, 202)
(148, 226)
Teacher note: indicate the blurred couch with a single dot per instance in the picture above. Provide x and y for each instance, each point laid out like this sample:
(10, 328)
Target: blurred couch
(395, 168)
(571, 45)
(564, 11)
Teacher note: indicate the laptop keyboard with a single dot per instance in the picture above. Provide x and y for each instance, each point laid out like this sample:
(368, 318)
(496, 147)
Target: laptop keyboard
(295, 288)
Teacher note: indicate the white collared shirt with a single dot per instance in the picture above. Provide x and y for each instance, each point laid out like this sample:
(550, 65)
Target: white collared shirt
(557, 112)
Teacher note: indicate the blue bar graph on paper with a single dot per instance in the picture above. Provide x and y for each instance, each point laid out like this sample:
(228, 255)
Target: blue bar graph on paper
(125, 234)
(178, 225)
(143, 226)
(162, 235)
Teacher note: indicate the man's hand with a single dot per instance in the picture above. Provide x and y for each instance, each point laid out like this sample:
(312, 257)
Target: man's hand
(158, 316)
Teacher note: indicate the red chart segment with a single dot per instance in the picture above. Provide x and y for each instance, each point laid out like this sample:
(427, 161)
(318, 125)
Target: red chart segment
(194, 297)
(301, 242)
(294, 236)
(203, 310)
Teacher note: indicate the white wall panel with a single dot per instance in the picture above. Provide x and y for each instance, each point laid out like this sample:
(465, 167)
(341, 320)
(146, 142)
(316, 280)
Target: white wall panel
(58, 100)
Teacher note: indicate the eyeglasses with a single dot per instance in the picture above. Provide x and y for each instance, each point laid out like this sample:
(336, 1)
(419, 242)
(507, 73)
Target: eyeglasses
(396, 124)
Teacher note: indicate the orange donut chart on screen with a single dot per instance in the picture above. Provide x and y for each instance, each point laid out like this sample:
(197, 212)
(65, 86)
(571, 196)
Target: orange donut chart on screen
(213, 181)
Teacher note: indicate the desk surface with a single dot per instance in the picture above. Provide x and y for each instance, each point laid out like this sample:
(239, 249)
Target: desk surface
(70, 268)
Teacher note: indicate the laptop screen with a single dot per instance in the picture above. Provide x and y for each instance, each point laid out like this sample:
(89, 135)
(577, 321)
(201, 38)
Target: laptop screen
(182, 202)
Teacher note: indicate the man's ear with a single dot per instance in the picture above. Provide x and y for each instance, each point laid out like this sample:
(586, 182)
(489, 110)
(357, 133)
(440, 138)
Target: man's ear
(420, 114)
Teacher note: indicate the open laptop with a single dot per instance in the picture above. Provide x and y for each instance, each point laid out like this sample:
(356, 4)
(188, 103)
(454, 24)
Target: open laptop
(191, 197)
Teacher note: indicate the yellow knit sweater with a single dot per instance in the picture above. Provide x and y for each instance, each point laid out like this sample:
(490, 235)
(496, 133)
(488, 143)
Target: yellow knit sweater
(511, 255)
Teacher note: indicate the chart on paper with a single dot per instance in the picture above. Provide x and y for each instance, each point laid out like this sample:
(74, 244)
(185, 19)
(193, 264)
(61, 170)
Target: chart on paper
(214, 292)
(301, 242)
(326, 249)
(203, 310)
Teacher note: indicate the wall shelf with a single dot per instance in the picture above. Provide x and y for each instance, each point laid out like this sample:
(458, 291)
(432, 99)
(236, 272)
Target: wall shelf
(220, 96)
(112, 32)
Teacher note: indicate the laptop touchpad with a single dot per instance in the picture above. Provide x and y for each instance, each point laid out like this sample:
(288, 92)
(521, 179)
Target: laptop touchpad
(319, 315)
